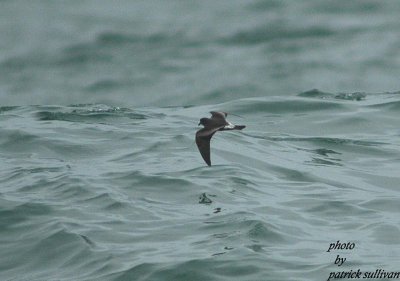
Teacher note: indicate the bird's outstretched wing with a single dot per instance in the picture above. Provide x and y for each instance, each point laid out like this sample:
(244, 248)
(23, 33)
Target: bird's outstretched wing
(203, 138)
(218, 114)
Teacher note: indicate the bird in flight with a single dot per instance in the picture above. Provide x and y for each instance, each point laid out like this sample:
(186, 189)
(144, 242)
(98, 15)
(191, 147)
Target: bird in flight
(217, 122)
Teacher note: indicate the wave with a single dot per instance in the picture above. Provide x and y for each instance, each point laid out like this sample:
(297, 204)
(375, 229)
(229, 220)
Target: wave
(89, 113)
(270, 33)
(315, 93)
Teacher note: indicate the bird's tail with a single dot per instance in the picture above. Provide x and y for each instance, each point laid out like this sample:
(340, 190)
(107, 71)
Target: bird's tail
(233, 127)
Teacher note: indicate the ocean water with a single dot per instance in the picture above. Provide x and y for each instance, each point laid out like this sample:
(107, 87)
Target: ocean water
(100, 176)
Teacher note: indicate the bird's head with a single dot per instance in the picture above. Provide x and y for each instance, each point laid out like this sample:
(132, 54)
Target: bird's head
(203, 121)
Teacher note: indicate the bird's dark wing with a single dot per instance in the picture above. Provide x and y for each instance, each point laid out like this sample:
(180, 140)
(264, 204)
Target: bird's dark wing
(203, 138)
(218, 114)
(218, 119)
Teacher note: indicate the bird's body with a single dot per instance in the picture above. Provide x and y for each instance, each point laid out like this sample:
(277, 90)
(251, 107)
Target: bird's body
(217, 122)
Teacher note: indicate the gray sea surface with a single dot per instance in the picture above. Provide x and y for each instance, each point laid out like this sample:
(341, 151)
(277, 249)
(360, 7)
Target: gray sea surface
(100, 175)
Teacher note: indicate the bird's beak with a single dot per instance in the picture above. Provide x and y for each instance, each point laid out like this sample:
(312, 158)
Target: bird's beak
(198, 124)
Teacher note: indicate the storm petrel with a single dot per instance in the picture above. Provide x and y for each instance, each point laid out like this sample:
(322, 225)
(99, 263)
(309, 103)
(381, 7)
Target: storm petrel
(217, 122)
